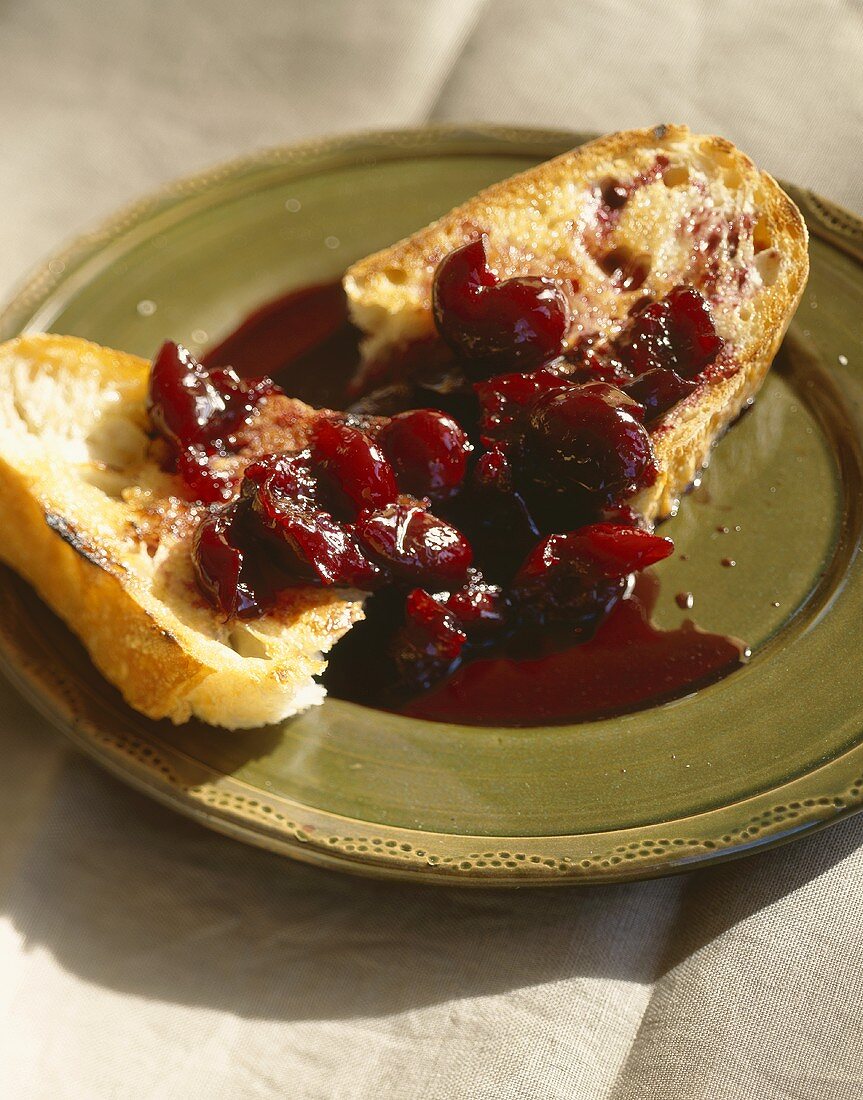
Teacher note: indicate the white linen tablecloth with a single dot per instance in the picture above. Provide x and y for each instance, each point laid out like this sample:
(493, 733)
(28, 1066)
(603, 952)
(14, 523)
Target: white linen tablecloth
(142, 956)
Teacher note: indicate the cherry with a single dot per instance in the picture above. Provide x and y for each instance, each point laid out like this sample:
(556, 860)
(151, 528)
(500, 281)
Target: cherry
(478, 607)
(587, 439)
(676, 333)
(556, 590)
(434, 620)
(414, 545)
(602, 549)
(585, 363)
(495, 516)
(429, 450)
(311, 546)
(575, 578)
(694, 333)
(506, 400)
(494, 470)
(191, 405)
(521, 321)
(658, 391)
(647, 345)
(288, 477)
(429, 643)
(218, 565)
(183, 401)
(358, 473)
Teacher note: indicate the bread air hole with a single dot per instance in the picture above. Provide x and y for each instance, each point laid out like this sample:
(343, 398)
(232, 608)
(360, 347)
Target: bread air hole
(396, 275)
(246, 644)
(761, 238)
(768, 263)
(627, 270)
(106, 479)
(676, 176)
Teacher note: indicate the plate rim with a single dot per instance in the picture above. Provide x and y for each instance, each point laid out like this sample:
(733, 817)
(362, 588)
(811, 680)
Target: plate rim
(237, 809)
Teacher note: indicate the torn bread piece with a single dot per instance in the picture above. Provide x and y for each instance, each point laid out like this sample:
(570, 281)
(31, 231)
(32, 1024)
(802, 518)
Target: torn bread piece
(625, 217)
(103, 534)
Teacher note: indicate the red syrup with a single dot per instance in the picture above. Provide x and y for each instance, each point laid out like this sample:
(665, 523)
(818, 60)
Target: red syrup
(629, 664)
(305, 342)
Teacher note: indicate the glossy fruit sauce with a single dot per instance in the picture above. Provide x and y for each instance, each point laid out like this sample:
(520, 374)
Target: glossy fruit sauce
(306, 344)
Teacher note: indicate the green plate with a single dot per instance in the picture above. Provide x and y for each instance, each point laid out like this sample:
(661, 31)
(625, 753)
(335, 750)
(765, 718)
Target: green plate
(766, 754)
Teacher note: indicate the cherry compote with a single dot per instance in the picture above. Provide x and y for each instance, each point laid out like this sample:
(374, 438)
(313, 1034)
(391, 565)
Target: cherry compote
(487, 321)
(430, 451)
(482, 502)
(358, 473)
(677, 333)
(588, 439)
(197, 411)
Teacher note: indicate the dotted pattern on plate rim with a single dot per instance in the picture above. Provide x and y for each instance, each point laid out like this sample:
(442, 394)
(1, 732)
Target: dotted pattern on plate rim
(381, 850)
(136, 755)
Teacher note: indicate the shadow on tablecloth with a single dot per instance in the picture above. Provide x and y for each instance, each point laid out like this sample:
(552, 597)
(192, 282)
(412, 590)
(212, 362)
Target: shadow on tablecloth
(128, 895)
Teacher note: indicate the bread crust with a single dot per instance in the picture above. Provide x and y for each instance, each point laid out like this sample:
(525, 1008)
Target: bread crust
(539, 223)
(169, 654)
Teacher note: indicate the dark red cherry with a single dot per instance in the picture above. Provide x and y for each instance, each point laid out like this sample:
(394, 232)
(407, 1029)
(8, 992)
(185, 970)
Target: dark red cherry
(658, 391)
(429, 451)
(557, 588)
(506, 400)
(462, 274)
(218, 565)
(358, 473)
(588, 439)
(647, 345)
(428, 644)
(183, 402)
(694, 335)
(586, 363)
(574, 579)
(677, 333)
(288, 477)
(309, 544)
(241, 397)
(522, 321)
(494, 471)
(600, 550)
(432, 620)
(190, 405)
(415, 546)
(502, 527)
(478, 607)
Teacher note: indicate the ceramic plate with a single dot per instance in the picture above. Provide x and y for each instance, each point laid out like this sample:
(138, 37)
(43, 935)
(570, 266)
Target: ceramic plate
(769, 752)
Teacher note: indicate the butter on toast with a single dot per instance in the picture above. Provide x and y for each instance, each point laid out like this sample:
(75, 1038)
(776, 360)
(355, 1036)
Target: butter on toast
(103, 535)
(694, 208)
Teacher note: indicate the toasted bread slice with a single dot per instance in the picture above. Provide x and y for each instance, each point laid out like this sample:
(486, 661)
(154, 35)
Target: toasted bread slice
(697, 209)
(103, 534)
